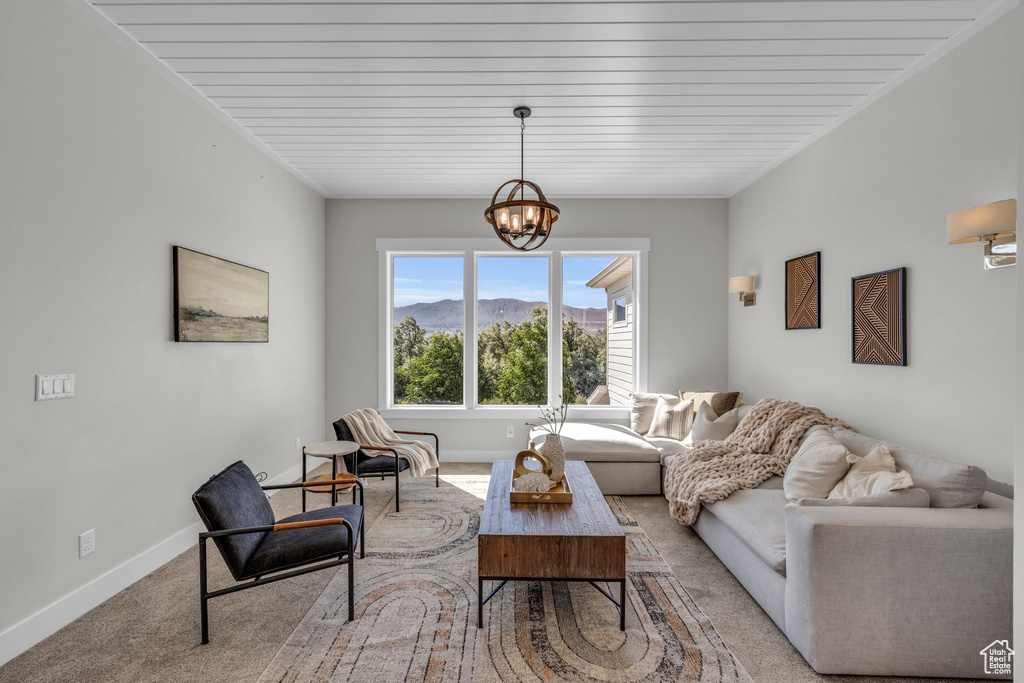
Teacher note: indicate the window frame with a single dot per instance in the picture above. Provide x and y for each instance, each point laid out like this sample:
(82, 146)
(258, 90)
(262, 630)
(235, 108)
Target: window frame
(471, 251)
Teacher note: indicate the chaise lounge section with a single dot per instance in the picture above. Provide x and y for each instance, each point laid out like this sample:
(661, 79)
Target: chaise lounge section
(897, 591)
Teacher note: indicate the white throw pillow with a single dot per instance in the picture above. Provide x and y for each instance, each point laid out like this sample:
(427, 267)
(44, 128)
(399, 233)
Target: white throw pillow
(673, 418)
(872, 474)
(641, 410)
(708, 426)
(817, 467)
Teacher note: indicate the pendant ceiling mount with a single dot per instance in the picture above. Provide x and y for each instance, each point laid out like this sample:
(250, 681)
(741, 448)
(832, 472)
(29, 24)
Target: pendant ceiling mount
(521, 222)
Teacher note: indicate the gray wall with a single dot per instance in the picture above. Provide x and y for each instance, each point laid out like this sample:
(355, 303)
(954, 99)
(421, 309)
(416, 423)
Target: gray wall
(873, 195)
(687, 281)
(105, 165)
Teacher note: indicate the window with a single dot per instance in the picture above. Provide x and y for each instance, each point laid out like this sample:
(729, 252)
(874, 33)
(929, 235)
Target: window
(619, 315)
(512, 330)
(496, 355)
(427, 337)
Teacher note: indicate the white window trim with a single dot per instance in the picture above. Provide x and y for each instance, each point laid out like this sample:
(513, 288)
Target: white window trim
(470, 250)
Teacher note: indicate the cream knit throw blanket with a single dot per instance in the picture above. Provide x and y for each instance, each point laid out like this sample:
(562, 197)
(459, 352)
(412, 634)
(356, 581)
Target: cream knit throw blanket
(762, 445)
(369, 429)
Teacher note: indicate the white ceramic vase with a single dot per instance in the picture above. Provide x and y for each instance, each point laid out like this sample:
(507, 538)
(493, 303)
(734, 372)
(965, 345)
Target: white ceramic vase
(553, 451)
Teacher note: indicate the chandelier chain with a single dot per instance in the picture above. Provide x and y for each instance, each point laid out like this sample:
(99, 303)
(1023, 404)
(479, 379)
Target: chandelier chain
(522, 150)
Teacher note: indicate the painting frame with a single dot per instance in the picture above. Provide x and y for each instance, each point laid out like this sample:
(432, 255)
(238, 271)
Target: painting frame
(875, 285)
(218, 300)
(812, 264)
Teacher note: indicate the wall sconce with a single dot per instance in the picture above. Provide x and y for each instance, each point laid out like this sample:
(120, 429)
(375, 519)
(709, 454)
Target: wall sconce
(994, 225)
(744, 286)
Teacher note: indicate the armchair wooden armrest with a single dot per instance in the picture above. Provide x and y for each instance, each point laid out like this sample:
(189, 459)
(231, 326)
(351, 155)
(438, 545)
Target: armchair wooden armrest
(374, 448)
(346, 479)
(311, 523)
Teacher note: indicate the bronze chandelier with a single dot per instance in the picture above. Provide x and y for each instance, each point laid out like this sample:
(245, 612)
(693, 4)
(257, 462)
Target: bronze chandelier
(523, 224)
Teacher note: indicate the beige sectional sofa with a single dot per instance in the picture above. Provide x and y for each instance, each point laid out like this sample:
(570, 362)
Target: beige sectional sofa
(858, 590)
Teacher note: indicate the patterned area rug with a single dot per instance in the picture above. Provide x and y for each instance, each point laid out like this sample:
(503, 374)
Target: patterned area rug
(416, 611)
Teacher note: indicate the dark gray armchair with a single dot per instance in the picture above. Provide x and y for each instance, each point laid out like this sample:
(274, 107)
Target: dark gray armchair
(259, 549)
(364, 464)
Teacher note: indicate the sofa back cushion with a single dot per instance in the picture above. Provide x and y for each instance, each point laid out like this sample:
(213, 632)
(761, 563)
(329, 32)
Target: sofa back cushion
(641, 410)
(819, 464)
(950, 484)
(720, 401)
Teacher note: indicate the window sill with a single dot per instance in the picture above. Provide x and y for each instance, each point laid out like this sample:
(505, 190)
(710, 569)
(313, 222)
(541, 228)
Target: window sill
(575, 413)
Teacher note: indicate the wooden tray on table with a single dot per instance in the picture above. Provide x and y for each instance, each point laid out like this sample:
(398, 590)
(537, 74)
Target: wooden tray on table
(562, 493)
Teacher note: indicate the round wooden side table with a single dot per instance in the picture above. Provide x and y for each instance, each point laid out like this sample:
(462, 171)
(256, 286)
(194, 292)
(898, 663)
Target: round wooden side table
(326, 449)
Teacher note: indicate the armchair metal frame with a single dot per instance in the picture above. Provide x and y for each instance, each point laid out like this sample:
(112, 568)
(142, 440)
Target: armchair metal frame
(345, 557)
(382, 475)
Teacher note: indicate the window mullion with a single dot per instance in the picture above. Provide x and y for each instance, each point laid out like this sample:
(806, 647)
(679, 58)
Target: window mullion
(469, 340)
(555, 328)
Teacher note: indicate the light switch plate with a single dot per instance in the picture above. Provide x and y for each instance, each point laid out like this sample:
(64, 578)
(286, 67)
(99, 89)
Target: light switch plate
(49, 387)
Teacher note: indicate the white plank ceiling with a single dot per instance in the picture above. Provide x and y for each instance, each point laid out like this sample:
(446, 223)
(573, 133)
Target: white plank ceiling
(415, 98)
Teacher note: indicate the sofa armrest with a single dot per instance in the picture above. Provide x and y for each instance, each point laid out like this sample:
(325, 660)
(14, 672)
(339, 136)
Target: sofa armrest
(898, 591)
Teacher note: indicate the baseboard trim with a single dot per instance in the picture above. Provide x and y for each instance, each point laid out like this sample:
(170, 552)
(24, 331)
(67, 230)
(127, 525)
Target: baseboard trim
(55, 616)
(475, 456)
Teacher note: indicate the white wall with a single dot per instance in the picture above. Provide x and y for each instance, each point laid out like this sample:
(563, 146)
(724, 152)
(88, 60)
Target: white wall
(874, 195)
(104, 164)
(687, 280)
(1018, 464)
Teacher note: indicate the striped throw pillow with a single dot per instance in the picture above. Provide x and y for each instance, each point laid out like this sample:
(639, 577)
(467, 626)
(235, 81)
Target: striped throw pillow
(673, 418)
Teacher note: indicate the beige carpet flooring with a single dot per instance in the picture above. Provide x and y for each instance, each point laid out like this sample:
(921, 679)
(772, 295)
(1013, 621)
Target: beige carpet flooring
(150, 630)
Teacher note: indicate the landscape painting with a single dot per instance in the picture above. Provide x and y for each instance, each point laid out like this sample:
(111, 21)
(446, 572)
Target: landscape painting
(219, 301)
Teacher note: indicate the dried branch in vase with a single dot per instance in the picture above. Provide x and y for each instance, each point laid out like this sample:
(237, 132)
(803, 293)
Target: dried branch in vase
(554, 418)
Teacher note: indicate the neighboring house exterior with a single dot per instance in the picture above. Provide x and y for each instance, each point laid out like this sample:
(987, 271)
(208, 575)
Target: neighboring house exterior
(617, 281)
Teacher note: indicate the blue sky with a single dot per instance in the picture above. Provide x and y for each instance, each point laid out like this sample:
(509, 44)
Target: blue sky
(424, 279)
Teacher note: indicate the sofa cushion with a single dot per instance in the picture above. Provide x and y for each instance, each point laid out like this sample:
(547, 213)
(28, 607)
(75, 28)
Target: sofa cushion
(601, 442)
(950, 484)
(900, 498)
(669, 448)
(819, 464)
(641, 410)
(758, 518)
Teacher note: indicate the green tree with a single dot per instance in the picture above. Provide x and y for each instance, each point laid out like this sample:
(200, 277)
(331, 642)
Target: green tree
(523, 376)
(583, 361)
(436, 376)
(410, 341)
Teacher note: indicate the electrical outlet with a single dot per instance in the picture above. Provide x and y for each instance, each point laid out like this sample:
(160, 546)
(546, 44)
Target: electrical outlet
(298, 443)
(511, 432)
(86, 543)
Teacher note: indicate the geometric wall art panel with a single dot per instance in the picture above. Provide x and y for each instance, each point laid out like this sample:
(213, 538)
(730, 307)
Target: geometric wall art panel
(803, 292)
(880, 318)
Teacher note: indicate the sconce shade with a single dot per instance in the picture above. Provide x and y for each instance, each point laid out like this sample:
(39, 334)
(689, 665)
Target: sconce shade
(982, 223)
(743, 283)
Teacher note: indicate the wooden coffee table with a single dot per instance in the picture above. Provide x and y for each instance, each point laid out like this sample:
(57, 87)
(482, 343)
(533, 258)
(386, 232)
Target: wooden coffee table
(549, 541)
